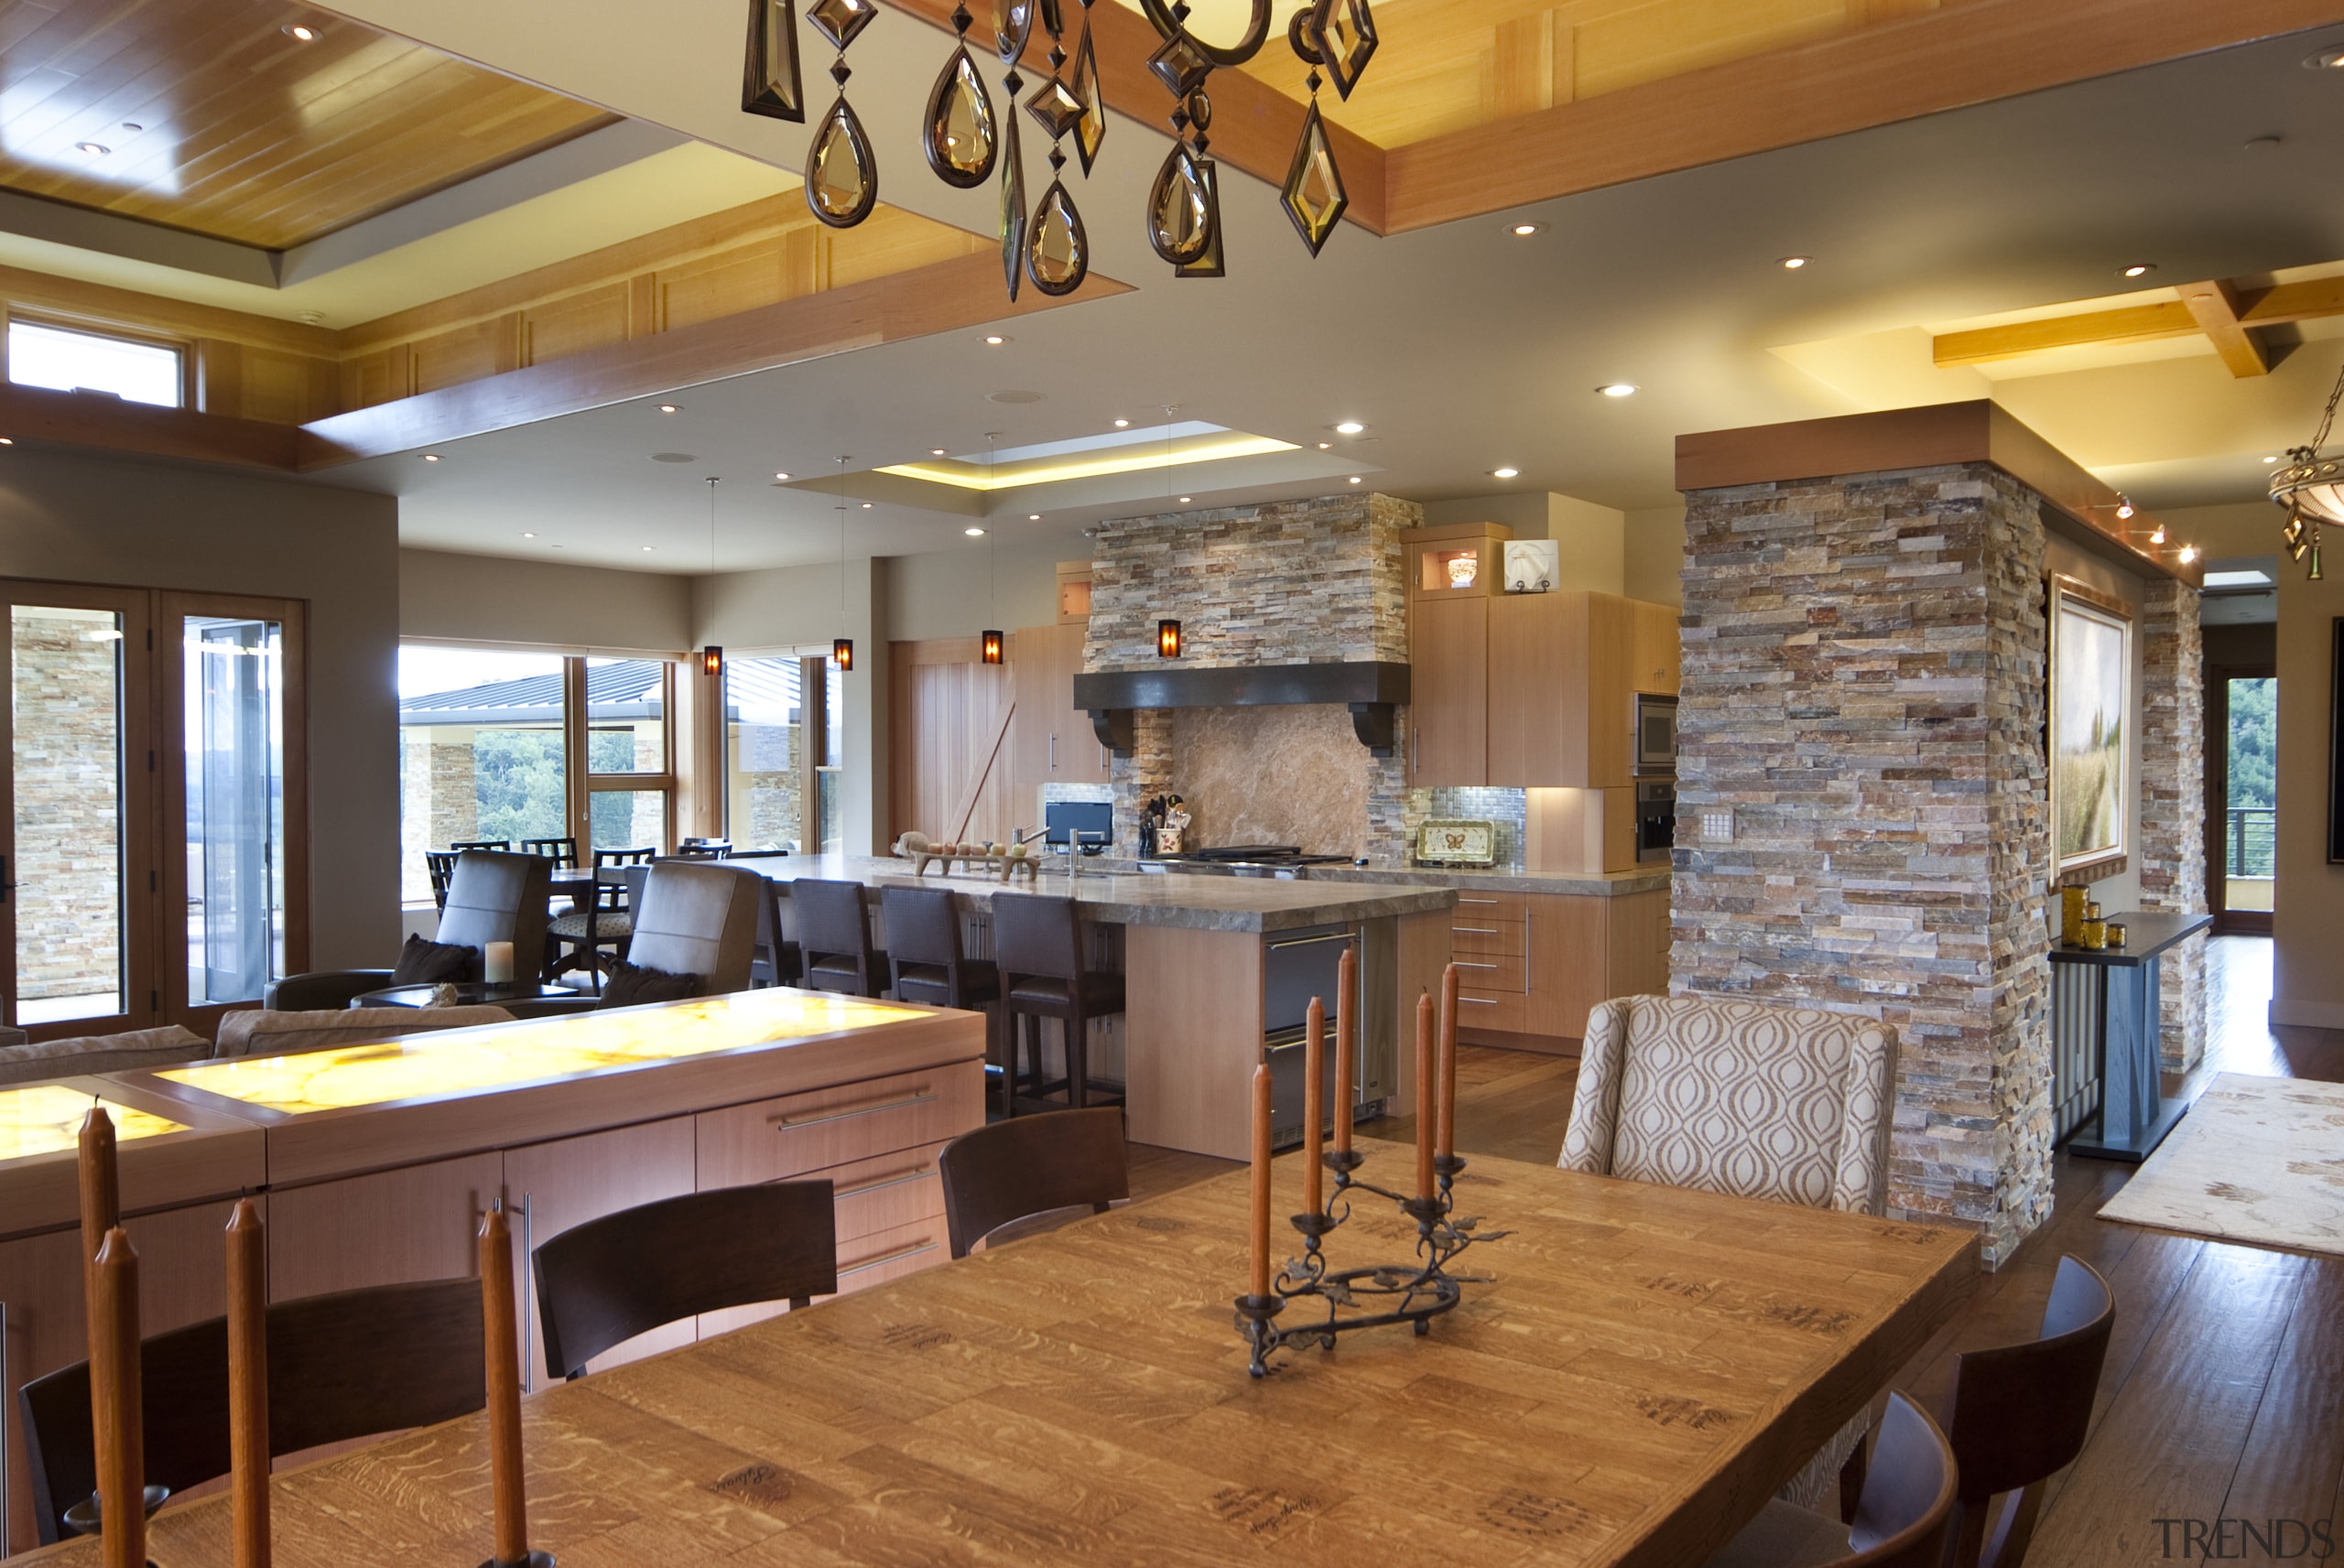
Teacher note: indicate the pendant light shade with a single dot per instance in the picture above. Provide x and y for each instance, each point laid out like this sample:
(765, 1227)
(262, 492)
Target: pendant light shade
(843, 653)
(992, 647)
(1168, 638)
(711, 659)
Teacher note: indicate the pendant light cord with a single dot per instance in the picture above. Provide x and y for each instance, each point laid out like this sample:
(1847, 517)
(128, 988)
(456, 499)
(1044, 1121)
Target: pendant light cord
(2328, 416)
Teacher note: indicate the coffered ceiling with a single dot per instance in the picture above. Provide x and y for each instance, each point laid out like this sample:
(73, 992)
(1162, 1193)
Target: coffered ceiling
(214, 116)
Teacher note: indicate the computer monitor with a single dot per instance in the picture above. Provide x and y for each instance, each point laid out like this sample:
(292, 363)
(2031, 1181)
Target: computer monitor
(1093, 819)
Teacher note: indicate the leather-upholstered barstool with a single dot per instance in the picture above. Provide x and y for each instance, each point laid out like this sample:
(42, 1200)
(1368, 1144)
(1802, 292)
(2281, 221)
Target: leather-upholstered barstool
(1037, 944)
(932, 968)
(834, 938)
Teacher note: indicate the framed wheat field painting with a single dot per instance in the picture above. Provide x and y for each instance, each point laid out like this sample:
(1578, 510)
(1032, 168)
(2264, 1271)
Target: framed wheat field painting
(2091, 701)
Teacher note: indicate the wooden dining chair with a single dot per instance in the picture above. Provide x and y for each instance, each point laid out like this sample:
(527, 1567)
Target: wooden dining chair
(1902, 1521)
(349, 1364)
(439, 865)
(1013, 1170)
(562, 852)
(461, 845)
(603, 1282)
(601, 922)
(2019, 1415)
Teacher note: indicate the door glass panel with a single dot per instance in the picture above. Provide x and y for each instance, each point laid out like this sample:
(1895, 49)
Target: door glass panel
(626, 730)
(765, 730)
(479, 754)
(236, 806)
(65, 667)
(630, 819)
(2250, 825)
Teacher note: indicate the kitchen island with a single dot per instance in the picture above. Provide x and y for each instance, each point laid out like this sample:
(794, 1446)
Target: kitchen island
(1216, 971)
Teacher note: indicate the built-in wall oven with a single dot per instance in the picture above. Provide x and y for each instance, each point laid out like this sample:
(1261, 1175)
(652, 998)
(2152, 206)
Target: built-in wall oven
(1296, 966)
(1655, 820)
(1655, 722)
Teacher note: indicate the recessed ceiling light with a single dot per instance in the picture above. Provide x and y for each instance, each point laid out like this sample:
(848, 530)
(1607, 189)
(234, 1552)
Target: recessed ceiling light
(299, 30)
(1349, 428)
(2325, 59)
(936, 452)
(1033, 517)
(667, 409)
(994, 340)
(2140, 269)
(974, 533)
(2270, 460)
(133, 127)
(1326, 446)
(526, 535)
(1792, 263)
(430, 457)
(8, 440)
(1617, 389)
(1504, 473)
(1122, 424)
(780, 475)
(1354, 478)
(1523, 230)
(866, 506)
(92, 148)
(647, 549)
(1184, 500)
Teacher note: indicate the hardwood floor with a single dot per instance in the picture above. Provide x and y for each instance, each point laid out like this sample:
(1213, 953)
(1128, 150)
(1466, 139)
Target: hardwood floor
(2219, 1398)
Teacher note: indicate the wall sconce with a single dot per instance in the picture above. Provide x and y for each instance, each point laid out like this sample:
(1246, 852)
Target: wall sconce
(843, 653)
(711, 659)
(992, 647)
(1168, 638)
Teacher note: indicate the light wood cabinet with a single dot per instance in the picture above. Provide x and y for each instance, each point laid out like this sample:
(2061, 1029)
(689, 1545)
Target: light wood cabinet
(418, 1222)
(1051, 740)
(1534, 965)
(1658, 661)
(1449, 692)
(1564, 672)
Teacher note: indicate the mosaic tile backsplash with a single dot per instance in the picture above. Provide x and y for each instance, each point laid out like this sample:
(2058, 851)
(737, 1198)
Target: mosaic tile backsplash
(1509, 808)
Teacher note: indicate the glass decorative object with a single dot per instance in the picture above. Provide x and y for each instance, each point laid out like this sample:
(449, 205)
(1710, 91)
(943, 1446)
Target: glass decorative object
(958, 134)
(842, 175)
(1313, 194)
(770, 83)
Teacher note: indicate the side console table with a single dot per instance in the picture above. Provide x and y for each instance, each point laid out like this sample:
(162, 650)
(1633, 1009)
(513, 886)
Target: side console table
(2104, 1023)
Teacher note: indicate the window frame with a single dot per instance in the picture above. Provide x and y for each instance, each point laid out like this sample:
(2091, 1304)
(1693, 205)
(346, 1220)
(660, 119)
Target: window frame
(95, 327)
(584, 785)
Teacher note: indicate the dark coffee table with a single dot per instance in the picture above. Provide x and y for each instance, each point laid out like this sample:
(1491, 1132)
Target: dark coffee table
(471, 993)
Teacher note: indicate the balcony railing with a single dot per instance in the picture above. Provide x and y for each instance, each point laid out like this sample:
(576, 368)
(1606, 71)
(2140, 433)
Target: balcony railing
(2250, 841)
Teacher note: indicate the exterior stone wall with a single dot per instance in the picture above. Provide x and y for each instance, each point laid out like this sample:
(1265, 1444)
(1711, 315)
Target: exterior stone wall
(69, 849)
(1293, 582)
(2172, 805)
(1863, 701)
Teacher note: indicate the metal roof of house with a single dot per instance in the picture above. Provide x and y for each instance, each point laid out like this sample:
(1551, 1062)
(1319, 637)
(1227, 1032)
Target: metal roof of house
(619, 690)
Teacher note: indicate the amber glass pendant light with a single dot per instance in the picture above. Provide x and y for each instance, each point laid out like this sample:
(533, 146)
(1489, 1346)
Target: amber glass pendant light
(1168, 638)
(992, 647)
(959, 135)
(712, 660)
(842, 175)
(842, 648)
(770, 83)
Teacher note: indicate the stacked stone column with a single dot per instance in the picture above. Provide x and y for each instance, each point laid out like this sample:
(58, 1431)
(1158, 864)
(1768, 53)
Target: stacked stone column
(2172, 805)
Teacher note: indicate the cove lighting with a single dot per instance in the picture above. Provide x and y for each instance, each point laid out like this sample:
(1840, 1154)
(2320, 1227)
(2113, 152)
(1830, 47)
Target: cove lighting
(2245, 579)
(1092, 457)
(1617, 389)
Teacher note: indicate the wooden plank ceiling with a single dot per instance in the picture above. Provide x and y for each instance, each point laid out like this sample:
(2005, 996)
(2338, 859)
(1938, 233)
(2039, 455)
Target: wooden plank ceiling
(218, 120)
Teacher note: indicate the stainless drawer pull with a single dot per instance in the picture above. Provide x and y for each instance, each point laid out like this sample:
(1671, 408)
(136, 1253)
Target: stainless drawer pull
(1468, 964)
(877, 1183)
(1479, 1000)
(923, 1097)
(897, 1256)
(1309, 941)
(1491, 901)
(1475, 930)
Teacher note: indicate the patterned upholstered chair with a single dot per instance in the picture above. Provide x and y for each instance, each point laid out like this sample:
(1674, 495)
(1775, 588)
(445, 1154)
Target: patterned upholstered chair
(1758, 1099)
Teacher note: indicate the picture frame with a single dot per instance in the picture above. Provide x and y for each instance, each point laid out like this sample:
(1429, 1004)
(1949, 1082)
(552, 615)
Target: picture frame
(2091, 707)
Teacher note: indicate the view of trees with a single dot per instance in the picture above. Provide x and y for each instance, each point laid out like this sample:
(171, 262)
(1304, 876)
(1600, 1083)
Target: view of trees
(2255, 742)
(517, 776)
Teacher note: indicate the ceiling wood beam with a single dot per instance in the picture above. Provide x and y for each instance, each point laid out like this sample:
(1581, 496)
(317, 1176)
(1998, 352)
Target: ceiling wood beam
(947, 296)
(2214, 305)
(32, 413)
(1255, 126)
(1897, 71)
(2234, 307)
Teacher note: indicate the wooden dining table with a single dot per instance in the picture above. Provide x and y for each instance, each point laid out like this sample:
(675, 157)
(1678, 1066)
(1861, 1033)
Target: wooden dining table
(1634, 1373)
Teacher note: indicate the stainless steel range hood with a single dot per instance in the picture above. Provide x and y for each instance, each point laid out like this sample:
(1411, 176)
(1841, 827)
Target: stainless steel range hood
(1370, 690)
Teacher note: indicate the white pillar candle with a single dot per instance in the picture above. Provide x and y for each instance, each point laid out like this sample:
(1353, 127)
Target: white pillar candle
(496, 963)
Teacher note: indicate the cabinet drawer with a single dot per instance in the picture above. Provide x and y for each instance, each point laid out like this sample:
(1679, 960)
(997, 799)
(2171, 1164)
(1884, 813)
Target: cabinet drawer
(883, 1193)
(1486, 938)
(793, 1135)
(1489, 972)
(1491, 1010)
(886, 1254)
(1486, 908)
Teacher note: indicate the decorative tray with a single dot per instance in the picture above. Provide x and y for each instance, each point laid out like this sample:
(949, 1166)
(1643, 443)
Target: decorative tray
(1457, 843)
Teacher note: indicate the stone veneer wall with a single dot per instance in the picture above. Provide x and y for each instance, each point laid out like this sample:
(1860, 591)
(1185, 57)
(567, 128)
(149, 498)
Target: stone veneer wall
(1291, 582)
(2173, 804)
(1864, 695)
(68, 765)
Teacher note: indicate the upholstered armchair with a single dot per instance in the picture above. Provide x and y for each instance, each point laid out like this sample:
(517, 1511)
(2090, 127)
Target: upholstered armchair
(1758, 1099)
(494, 896)
(697, 917)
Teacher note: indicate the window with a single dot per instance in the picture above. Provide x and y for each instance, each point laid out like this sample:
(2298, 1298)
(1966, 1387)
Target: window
(87, 362)
(784, 734)
(481, 753)
(628, 780)
(235, 738)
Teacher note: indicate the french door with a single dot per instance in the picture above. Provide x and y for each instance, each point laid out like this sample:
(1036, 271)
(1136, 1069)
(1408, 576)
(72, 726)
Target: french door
(153, 821)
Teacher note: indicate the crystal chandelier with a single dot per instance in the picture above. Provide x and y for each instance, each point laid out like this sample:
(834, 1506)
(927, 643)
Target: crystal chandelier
(2312, 490)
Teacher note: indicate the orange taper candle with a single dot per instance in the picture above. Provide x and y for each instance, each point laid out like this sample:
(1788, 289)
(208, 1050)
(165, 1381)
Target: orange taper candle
(1314, 1105)
(1448, 1145)
(101, 1187)
(114, 1396)
(502, 1336)
(247, 1387)
(1258, 1281)
(1427, 1111)
(1346, 993)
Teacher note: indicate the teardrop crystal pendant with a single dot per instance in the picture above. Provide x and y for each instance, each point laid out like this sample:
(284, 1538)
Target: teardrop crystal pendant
(1058, 253)
(1084, 79)
(1178, 213)
(841, 176)
(1012, 24)
(958, 135)
(1313, 195)
(1012, 212)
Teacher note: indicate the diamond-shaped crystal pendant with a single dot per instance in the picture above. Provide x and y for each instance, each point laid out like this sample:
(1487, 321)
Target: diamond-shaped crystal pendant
(957, 134)
(1343, 32)
(1313, 194)
(1012, 24)
(1012, 210)
(1058, 253)
(841, 176)
(770, 83)
(840, 20)
(1179, 65)
(1179, 208)
(1054, 108)
(1092, 131)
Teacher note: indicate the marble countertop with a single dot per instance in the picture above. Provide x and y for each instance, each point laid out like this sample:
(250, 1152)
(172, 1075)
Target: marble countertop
(1651, 878)
(1118, 896)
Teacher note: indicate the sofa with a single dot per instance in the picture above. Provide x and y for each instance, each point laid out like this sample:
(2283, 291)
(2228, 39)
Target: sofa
(254, 1033)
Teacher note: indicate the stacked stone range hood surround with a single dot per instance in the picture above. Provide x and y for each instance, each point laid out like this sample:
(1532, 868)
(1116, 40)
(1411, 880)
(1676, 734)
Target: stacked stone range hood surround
(1258, 590)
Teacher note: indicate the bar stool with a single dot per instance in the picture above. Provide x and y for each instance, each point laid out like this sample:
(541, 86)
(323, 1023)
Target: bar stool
(1038, 943)
(924, 943)
(834, 938)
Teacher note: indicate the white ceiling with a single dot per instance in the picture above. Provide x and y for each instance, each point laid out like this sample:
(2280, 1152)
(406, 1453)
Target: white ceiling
(1462, 348)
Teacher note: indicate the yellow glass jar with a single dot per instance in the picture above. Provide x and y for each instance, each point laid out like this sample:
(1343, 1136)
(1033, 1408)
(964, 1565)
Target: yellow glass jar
(2071, 917)
(2116, 934)
(2095, 928)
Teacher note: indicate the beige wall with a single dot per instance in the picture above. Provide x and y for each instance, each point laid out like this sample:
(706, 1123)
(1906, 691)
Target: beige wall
(1656, 555)
(1644, 562)
(959, 593)
(2309, 919)
(71, 518)
(488, 599)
